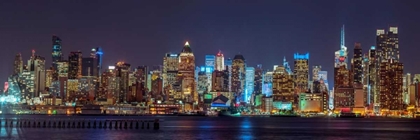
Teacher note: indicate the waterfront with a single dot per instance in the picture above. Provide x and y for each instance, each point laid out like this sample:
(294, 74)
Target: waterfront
(228, 128)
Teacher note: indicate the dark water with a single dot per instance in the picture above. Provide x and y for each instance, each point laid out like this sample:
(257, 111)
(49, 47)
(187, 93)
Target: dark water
(221, 128)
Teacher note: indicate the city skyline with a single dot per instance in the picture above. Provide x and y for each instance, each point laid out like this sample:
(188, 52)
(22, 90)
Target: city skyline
(209, 37)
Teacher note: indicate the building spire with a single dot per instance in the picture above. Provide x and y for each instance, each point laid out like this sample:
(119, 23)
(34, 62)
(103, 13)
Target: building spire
(342, 43)
(187, 44)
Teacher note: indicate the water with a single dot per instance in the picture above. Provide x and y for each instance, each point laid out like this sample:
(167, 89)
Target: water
(221, 128)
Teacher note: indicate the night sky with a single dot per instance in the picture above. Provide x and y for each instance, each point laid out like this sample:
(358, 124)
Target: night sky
(141, 32)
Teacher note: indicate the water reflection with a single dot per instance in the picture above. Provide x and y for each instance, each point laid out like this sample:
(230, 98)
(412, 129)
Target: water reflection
(246, 131)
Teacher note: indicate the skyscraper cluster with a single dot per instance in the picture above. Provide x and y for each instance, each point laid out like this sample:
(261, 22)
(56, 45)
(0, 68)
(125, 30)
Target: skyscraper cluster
(373, 82)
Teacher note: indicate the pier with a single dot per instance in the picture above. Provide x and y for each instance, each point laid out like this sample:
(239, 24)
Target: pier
(116, 124)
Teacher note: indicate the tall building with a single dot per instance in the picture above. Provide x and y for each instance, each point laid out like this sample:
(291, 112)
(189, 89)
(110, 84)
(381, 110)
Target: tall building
(315, 72)
(238, 74)
(18, 64)
(249, 84)
(267, 83)
(186, 73)
(228, 69)
(220, 62)
(357, 64)
(56, 51)
(283, 85)
(36, 64)
(220, 80)
(258, 77)
(210, 60)
(97, 55)
(170, 69)
(122, 71)
(391, 86)
(373, 80)
(75, 65)
(89, 67)
(387, 43)
(301, 71)
(202, 83)
(341, 55)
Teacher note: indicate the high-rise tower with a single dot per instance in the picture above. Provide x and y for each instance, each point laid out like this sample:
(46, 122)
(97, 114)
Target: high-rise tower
(186, 73)
(341, 55)
(220, 62)
(56, 51)
(170, 69)
(75, 65)
(238, 74)
(357, 64)
(18, 64)
(301, 71)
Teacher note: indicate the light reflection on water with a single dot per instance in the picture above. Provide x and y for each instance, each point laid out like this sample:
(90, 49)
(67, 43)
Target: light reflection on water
(231, 128)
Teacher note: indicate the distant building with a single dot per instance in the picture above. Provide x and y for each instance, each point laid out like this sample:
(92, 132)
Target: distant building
(301, 71)
(75, 65)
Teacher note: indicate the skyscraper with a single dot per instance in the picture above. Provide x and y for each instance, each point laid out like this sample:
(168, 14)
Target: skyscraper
(301, 71)
(387, 43)
(249, 84)
(170, 69)
(341, 55)
(315, 72)
(258, 80)
(75, 65)
(357, 63)
(89, 67)
(238, 74)
(18, 64)
(36, 64)
(186, 72)
(97, 54)
(122, 70)
(220, 62)
(283, 85)
(56, 51)
(391, 86)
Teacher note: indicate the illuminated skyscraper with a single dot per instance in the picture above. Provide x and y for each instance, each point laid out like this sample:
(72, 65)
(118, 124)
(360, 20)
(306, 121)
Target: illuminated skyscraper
(249, 84)
(283, 85)
(75, 65)
(220, 62)
(186, 72)
(170, 69)
(238, 74)
(97, 54)
(18, 64)
(36, 64)
(89, 67)
(210, 66)
(258, 80)
(341, 55)
(357, 64)
(391, 86)
(315, 72)
(56, 51)
(387, 43)
(301, 71)
(122, 70)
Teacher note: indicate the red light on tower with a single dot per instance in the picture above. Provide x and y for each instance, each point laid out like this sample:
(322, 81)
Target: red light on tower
(342, 59)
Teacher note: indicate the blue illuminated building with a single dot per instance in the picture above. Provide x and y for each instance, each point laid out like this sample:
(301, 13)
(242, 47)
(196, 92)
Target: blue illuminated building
(56, 51)
(249, 83)
(301, 56)
(210, 60)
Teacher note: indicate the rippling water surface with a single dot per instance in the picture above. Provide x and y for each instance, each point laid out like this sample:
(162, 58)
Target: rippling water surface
(220, 128)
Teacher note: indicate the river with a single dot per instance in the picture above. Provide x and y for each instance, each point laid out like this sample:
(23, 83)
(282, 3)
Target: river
(226, 128)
